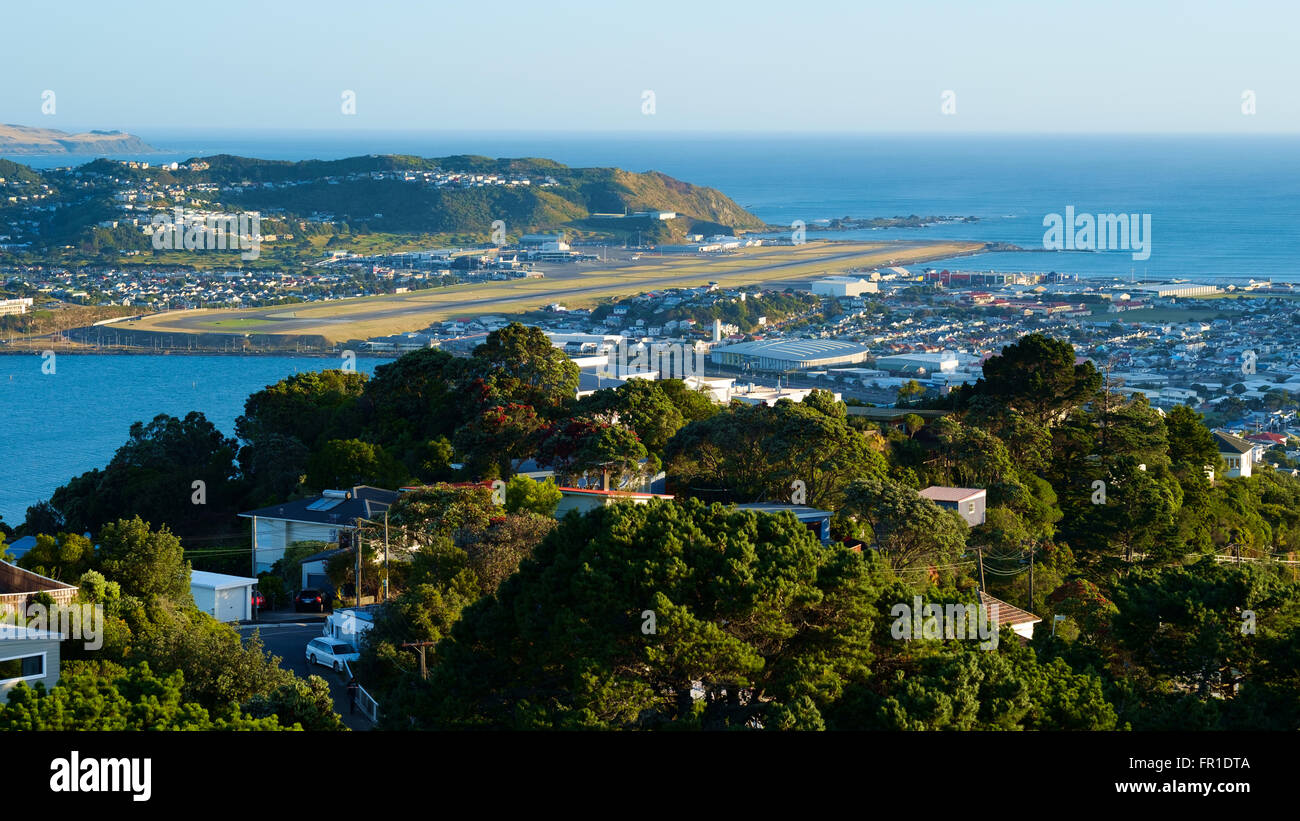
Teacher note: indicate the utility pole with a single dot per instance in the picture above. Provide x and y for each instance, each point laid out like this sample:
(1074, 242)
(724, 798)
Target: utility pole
(419, 647)
(385, 556)
(1030, 608)
(980, 552)
(357, 579)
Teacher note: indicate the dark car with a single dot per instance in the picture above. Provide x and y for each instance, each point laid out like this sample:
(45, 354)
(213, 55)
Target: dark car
(310, 600)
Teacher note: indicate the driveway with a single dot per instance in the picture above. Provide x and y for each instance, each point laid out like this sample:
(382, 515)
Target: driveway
(288, 640)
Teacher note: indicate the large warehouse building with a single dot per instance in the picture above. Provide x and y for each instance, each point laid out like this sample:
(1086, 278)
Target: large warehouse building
(1176, 289)
(844, 286)
(918, 363)
(789, 354)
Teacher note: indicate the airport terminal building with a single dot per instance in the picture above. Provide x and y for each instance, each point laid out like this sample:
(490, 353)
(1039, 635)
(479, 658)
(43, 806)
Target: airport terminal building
(781, 355)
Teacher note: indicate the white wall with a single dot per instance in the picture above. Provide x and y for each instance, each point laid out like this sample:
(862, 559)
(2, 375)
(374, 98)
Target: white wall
(230, 604)
(273, 536)
(204, 599)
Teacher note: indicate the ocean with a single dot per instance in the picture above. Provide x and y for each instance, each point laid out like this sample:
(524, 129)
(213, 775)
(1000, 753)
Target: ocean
(56, 426)
(1221, 208)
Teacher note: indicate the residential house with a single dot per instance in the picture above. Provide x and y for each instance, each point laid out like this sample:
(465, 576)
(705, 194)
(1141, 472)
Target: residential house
(330, 517)
(968, 502)
(1266, 440)
(1003, 614)
(28, 656)
(1236, 452)
(584, 499)
(18, 587)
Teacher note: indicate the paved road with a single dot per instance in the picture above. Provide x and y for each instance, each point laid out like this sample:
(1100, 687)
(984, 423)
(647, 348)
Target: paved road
(288, 640)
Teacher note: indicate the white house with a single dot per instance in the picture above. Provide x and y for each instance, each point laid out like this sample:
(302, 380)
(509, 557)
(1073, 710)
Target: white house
(225, 598)
(968, 502)
(1004, 614)
(1236, 452)
(329, 517)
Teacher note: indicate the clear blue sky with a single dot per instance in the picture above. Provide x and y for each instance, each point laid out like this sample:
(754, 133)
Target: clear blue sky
(714, 66)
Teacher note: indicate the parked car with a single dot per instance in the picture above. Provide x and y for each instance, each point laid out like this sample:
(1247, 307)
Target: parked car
(259, 601)
(331, 652)
(312, 600)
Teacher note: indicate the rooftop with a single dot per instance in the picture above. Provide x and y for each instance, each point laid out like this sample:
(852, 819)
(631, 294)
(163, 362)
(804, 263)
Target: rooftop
(801, 512)
(795, 349)
(625, 494)
(1227, 443)
(1007, 614)
(938, 493)
(333, 507)
(14, 579)
(218, 581)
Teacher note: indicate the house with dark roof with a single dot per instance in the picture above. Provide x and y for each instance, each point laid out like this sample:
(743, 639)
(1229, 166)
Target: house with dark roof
(330, 517)
(1239, 454)
(968, 502)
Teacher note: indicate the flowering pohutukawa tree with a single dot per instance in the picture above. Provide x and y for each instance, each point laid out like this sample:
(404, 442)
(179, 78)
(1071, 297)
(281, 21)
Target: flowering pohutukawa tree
(495, 441)
(591, 450)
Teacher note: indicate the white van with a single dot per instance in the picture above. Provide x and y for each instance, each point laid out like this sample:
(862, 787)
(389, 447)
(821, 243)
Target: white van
(331, 653)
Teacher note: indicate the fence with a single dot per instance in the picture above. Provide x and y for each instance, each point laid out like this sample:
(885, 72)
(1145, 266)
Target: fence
(367, 705)
(365, 702)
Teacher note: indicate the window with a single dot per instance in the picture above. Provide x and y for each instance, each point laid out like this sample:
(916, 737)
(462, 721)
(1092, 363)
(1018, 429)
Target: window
(970, 507)
(23, 667)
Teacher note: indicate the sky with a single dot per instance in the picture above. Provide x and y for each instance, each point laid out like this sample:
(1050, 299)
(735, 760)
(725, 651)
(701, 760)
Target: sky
(853, 67)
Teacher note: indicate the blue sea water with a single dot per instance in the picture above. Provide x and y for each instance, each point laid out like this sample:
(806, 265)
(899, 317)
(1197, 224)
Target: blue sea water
(1220, 207)
(56, 426)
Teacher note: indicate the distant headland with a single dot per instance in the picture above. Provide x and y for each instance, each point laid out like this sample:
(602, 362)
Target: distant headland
(22, 139)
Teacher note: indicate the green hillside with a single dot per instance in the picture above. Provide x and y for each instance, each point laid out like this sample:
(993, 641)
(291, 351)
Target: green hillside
(392, 199)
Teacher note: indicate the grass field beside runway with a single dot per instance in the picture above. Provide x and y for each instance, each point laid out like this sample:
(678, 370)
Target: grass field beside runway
(575, 287)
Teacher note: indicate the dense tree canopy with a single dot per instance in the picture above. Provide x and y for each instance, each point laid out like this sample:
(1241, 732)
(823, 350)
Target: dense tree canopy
(749, 453)
(118, 699)
(1102, 515)
(748, 613)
